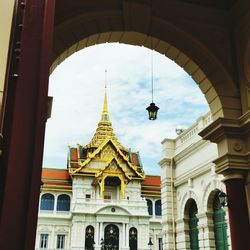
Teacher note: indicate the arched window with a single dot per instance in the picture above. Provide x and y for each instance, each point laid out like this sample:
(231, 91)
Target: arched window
(150, 207)
(89, 238)
(220, 225)
(132, 238)
(193, 223)
(158, 208)
(47, 202)
(63, 203)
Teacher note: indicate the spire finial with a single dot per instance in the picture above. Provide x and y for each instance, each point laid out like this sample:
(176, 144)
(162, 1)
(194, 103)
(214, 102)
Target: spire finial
(105, 114)
(105, 79)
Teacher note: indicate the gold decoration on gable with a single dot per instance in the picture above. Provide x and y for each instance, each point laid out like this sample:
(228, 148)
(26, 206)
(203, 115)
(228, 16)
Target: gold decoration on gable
(107, 152)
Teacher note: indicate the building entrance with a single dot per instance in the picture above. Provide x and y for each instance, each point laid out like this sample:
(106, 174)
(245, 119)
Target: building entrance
(111, 237)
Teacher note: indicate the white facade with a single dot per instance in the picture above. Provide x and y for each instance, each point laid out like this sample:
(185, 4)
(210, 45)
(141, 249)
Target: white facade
(98, 212)
(187, 173)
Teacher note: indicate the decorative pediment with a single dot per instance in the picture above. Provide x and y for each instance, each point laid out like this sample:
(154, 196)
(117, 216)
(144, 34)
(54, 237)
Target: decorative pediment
(109, 153)
(113, 167)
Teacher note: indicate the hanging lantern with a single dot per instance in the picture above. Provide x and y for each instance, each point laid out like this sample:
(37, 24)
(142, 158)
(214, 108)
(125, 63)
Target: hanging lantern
(223, 199)
(152, 108)
(152, 111)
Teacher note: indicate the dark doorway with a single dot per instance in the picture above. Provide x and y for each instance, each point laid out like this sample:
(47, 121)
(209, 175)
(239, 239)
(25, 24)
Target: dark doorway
(89, 238)
(111, 237)
(132, 238)
(220, 225)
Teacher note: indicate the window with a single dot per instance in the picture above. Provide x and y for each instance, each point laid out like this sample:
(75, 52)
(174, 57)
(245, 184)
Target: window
(150, 207)
(60, 241)
(47, 202)
(158, 208)
(107, 196)
(87, 196)
(63, 203)
(44, 241)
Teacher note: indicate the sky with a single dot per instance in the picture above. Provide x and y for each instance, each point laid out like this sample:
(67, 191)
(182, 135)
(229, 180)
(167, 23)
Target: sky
(77, 87)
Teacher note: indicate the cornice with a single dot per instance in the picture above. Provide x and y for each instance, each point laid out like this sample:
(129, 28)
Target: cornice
(220, 129)
(227, 127)
(164, 161)
(229, 163)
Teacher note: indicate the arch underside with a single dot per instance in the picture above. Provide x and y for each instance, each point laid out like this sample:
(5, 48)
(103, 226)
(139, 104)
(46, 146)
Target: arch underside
(78, 26)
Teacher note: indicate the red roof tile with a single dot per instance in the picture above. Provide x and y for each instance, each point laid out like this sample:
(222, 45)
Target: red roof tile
(152, 181)
(55, 174)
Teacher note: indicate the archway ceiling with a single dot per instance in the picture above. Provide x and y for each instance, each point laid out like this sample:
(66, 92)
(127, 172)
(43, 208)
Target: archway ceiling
(200, 36)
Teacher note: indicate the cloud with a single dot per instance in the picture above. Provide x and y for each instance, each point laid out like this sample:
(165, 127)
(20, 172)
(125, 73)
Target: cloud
(77, 86)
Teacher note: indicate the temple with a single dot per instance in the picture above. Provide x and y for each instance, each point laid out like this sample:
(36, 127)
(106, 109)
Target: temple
(103, 198)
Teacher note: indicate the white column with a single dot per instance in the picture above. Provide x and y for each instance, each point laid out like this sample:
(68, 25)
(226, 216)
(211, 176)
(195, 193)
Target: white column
(155, 246)
(123, 235)
(55, 204)
(101, 231)
(153, 207)
(97, 240)
(127, 235)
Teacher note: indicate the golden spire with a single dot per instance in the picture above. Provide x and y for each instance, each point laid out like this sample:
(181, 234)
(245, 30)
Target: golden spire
(104, 129)
(105, 113)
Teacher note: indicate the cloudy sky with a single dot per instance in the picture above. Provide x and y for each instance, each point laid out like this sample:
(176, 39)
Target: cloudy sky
(77, 87)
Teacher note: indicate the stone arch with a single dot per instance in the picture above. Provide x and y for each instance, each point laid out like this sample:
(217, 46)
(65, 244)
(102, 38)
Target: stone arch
(187, 196)
(120, 23)
(209, 192)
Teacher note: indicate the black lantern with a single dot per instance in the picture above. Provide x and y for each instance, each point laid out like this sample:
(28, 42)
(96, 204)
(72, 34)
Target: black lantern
(152, 111)
(150, 243)
(223, 199)
(152, 108)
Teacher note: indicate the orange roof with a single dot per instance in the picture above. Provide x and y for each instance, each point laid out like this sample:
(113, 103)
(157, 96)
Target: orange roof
(152, 181)
(59, 174)
(151, 186)
(56, 179)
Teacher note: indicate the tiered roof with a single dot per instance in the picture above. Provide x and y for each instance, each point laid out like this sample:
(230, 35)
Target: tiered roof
(80, 157)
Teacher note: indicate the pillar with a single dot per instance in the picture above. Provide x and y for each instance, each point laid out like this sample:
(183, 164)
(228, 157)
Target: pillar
(232, 137)
(168, 197)
(101, 231)
(25, 115)
(97, 238)
(127, 236)
(123, 235)
(238, 212)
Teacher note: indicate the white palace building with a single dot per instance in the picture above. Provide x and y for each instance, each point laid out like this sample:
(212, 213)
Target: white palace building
(104, 200)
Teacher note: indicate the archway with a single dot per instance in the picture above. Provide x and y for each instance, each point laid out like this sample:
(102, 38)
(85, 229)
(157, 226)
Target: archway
(133, 238)
(111, 237)
(208, 44)
(89, 238)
